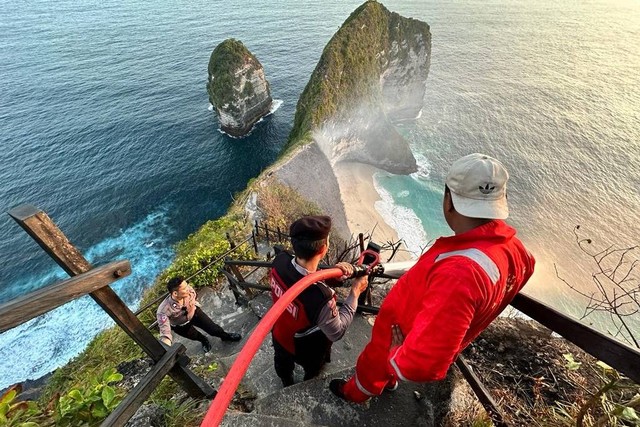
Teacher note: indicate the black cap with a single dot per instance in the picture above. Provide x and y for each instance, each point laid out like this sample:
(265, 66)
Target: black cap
(314, 227)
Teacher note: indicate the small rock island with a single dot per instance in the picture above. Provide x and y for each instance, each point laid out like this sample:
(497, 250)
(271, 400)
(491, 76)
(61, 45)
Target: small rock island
(237, 87)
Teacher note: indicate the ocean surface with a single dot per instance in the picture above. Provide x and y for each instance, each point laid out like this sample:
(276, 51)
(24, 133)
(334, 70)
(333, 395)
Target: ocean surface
(104, 125)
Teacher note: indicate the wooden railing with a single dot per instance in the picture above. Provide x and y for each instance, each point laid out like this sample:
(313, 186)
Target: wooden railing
(233, 247)
(618, 355)
(95, 281)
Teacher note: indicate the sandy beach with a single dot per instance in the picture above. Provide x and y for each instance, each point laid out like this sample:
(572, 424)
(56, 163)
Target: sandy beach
(359, 196)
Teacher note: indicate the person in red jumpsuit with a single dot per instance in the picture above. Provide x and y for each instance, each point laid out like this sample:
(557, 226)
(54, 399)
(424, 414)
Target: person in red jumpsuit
(452, 293)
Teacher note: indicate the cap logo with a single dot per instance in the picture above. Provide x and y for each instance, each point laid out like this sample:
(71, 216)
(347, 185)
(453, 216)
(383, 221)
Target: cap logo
(487, 189)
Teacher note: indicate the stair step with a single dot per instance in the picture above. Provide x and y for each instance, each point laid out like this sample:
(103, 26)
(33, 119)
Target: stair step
(312, 402)
(243, 419)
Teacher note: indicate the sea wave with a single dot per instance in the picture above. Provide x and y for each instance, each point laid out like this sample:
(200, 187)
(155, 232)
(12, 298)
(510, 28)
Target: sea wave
(402, 219)
(275, 105)
(424, 168)
(63, 333)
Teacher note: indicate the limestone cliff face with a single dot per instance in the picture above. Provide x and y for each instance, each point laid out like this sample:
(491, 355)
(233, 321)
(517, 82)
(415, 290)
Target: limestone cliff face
(237, 87)
(372, 73)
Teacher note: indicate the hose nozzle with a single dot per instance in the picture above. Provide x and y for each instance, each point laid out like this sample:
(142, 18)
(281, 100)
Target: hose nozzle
(369, 262)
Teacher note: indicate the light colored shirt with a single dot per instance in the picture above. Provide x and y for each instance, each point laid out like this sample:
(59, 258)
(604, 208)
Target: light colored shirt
(172, 313)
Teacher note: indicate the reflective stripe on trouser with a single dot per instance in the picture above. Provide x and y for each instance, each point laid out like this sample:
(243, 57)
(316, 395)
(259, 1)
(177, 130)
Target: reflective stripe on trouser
(372, 373)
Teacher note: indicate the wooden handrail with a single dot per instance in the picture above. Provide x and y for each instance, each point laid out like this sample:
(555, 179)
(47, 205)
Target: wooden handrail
(484, 396)
(144, 388)
(618, 355)
(53, 241)
(33, 304)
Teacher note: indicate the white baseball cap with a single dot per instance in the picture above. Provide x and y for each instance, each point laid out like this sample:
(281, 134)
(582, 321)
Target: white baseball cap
(478, 185)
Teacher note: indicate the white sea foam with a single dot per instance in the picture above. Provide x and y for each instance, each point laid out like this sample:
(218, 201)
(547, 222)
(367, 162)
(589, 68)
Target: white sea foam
(402, 219)
(277, 103)
(424, 168)
(63, 333)
(210, 108)
(274, 106)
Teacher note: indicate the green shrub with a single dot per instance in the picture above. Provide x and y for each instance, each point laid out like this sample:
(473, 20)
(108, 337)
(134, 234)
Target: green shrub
(85, 404)
(281, 205)
(204, 246)
(15, 413)
(80, 407)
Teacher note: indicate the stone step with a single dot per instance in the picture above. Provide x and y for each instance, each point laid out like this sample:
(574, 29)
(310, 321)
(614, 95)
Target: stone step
(242, 419)
(312, 402)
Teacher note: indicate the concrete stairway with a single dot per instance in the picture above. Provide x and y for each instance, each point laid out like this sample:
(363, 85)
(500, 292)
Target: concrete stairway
(310, 403)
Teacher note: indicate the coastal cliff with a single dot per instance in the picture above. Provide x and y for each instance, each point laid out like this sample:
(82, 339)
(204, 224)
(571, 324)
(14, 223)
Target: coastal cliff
(237, 87)
(371, 74)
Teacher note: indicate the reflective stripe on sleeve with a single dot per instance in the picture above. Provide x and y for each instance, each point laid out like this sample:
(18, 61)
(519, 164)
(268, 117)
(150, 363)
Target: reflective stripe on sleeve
(395, 367)
(479, 258)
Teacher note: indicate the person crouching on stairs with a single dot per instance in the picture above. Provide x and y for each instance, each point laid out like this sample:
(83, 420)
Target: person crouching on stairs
(303, 334)
(181, 312)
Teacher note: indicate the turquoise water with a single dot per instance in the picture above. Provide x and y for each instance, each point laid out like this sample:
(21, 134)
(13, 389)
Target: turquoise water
(105, 125)
(553, 90)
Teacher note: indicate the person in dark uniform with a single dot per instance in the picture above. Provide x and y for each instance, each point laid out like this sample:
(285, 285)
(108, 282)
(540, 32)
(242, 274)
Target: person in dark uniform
(312, 322)
(181, 312)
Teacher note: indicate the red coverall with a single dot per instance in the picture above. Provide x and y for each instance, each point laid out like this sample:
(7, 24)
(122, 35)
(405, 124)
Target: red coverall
(441, 304)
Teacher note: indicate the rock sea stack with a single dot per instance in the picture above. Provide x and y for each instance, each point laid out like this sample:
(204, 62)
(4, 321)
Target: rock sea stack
(371, 75)
(237, 87)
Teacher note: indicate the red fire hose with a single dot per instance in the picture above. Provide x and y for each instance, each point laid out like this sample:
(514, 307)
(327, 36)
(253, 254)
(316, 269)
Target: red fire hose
(220, 403)
(241, 364)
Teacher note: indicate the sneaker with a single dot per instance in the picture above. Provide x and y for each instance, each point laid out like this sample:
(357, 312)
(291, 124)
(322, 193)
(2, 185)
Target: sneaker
(336, 387)
(206, 346)
(232, 337)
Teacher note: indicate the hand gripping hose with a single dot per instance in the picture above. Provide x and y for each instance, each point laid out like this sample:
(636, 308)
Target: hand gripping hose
(239, 368)
(220, 403)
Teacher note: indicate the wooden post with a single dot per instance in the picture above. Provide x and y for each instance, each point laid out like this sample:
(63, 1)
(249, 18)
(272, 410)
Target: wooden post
(266, 232)
(257, 228)
(255, 242)
(145, 387)
(236, 271)
(279, 235)
(482, 393)
(47, 234)
(232, 244)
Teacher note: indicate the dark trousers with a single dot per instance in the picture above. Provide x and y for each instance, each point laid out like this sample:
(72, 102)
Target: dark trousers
(202, 321)
(312, 352)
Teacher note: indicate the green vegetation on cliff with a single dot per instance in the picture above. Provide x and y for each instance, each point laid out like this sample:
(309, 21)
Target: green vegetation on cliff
(226, 59)
(348, 71)
(350, 67)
